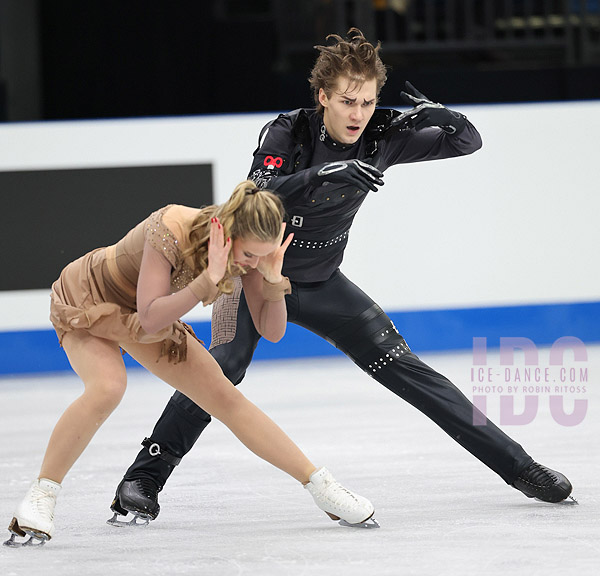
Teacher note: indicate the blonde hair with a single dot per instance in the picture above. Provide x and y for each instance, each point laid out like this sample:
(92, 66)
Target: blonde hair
(250, 213)
(354, 58)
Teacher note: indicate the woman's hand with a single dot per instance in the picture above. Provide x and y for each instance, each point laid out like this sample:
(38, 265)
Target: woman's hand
(218, 251)
(270, 265)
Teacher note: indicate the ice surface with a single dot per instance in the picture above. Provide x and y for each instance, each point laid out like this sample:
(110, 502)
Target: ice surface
(225, 512)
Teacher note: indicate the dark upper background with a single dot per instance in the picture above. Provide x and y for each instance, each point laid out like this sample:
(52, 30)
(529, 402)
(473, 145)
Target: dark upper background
(74, 59)
(67, 59)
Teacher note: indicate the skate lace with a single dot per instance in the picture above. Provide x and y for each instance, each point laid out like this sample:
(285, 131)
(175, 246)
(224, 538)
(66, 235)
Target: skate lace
(147, 488)
(338, 495)
(43, 502)
(538, 475)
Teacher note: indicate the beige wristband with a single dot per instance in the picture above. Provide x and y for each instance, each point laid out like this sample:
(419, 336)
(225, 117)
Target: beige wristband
(276, 292)
(203, 288)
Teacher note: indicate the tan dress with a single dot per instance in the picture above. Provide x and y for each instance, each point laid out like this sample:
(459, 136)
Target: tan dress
(97, 292)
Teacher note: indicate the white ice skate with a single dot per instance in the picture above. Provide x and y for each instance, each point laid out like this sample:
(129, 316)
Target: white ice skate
(35, 514)
(338, 502)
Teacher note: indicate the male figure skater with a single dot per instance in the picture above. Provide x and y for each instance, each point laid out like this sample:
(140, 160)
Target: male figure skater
(323, 162)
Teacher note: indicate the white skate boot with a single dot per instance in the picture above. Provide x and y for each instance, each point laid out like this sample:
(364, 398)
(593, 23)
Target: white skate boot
(338, 502)
(35, 514)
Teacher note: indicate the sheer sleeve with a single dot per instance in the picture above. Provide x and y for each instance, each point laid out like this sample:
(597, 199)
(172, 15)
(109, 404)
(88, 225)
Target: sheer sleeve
(161, 238)
(157, 306)
(157, 303)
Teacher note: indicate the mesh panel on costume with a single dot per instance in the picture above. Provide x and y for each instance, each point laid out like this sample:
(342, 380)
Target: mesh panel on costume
(224, 315)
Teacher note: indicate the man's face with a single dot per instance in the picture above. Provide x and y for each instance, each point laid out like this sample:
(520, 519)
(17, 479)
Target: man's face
(349, 109)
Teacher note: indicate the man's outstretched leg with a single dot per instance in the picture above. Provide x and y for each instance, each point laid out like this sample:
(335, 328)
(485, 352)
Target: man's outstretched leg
(389, 361)
(234, 340)
(344, 315)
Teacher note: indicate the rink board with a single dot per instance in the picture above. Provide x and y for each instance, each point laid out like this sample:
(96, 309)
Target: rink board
(431, 330)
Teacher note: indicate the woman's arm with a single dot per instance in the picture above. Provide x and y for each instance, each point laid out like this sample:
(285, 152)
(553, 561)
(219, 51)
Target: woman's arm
(269, 316)
(265, 289)
(157, 306)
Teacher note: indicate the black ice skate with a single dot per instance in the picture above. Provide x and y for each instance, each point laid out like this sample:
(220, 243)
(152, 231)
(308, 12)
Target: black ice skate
(544, 484)
(140, 497)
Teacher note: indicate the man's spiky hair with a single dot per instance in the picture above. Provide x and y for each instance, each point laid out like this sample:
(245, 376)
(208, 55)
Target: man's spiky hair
(353, 58)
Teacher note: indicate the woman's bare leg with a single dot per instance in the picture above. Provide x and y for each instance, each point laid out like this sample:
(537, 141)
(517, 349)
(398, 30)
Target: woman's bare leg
(201, 379)
(99, 364)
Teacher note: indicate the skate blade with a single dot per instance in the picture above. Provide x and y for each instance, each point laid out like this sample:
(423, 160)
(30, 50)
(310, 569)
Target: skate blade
(133, 523)
(368, 524)
(569, 501)
(36, 538)
(33, 542)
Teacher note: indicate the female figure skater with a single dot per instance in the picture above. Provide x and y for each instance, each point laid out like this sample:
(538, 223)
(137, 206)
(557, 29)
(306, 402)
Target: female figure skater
(131, 295)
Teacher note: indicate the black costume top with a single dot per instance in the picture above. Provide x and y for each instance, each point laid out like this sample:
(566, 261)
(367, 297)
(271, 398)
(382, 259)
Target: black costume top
(321, 216)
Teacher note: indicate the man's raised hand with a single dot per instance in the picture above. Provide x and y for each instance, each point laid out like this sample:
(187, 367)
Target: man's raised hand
(426, 113)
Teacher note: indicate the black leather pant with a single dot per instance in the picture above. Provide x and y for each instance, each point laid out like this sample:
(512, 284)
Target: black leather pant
(344, 315)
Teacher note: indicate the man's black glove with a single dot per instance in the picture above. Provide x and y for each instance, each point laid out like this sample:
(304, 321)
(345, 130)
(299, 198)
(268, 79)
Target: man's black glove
(427, 113)
(354, 172)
